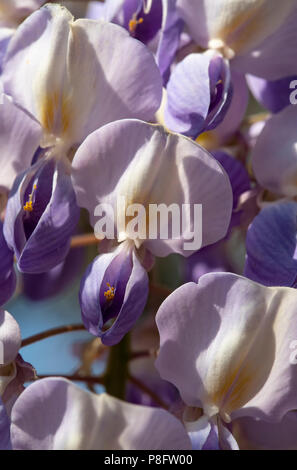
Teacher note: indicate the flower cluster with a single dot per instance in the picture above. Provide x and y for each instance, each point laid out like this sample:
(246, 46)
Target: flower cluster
(158, 140)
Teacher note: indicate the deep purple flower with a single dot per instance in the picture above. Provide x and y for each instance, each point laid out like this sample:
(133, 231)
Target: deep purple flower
(248, 36)
(7, 272)
(41, 216)
(114, 287)
(199, 93)
(271, 246)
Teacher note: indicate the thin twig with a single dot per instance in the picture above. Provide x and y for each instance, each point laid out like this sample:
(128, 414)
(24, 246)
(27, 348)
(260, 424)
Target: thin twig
(84, 240)
(141, 354)
(52, 332)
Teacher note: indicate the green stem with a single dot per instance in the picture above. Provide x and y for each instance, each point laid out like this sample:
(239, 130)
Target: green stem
(117, 370)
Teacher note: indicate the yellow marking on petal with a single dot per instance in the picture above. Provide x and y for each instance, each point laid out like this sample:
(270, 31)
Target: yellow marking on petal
(48, 109)
(134, 22)
(110, 293)
(208, 140)
(28, 207)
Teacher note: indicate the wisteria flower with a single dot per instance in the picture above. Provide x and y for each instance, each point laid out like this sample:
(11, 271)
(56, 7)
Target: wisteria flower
(226, 344)
(125, 160)
(42, 73)
(242, 35)
(14, 371)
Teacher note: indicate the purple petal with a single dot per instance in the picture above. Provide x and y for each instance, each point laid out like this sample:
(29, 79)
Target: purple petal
(236, 110)
(235, 26)
(20, 136)
(254, 434)
(44, 285)
(108, 11)
(5, 443)
(271, 246)
(7, 272)
(123, 76)
(25, 372)
(198, 94)
(10, 338)
(210, 259)
(152, 20)
(274, 156)
(234, 359)
(41, 238)
(172, 26)
(122, 272)
(5, 35)
(272, 95)
(239, 179)
(56, 414)
(272, 58)
(128, 158)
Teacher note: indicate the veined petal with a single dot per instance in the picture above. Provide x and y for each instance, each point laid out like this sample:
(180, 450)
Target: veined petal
(46, 56)
(274, 156)
(34, 68)
(172, 26)
(237, 25)
(236, 111)
(121, 88)
(272, 59)
(199, 93)
(20, 136)
(82, 420)
(129, 158)
(271, 246)
(234, 358)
